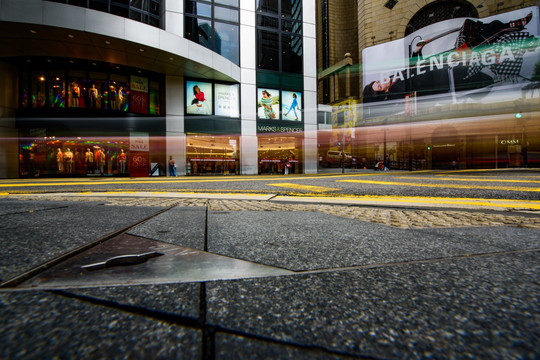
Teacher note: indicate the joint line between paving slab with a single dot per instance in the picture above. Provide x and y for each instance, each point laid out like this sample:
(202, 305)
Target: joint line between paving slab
(413, 262)
(175, 319)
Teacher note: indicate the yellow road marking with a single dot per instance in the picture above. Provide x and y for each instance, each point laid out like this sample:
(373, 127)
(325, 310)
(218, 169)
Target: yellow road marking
(470, 179)
(304, 187)
(477, 202)
(451, 186)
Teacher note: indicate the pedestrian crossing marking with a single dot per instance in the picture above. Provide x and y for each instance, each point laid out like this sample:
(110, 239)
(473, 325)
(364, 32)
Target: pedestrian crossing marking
(304, 187)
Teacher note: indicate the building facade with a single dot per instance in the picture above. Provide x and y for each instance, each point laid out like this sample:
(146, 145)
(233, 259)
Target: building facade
(431, 84)
(119, 87)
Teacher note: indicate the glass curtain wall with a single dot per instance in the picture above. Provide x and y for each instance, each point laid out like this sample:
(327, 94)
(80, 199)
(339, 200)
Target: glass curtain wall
(214, 24)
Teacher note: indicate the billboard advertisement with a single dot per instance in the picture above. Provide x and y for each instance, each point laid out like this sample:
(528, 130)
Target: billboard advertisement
(291, 105)
(227, 100)
(199, 98)
(457, 61)
(268, 104)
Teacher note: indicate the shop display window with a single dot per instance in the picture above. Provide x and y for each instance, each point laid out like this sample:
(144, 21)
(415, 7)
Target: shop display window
(118, 93)
(76, 89)
(57, 89)
(154, 98)
(38, 89)
(72, 156)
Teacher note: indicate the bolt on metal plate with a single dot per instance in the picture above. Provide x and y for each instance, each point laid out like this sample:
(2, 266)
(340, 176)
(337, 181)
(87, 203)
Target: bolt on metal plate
(132, 260)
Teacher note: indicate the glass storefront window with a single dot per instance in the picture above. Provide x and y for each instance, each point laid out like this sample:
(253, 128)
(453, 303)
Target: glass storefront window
(65, 156)
(97, 91)
(212, 155)
(276, 152)
(38, 89)
(57, 89)
(76, 91)
(154, 98)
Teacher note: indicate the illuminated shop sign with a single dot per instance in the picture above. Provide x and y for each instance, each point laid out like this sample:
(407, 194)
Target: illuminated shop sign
(464, 60)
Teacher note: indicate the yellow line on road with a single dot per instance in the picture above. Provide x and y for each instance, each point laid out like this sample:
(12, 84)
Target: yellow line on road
(470, 179)
(446, 186)
(413, 200)
(304, 187)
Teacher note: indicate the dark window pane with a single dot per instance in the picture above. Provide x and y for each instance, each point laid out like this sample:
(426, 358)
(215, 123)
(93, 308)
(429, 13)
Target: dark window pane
(267, 50)
(199, 31)
(83, 3)
(226, 41)
(154, 8)
(291, 53)
(292, 9)
(139, 4)
(227, 2)
(119, 10)
(134, 15)
(154, 21)
(100, 5)
(222, 13)
(120, 2)
(291, 27)
(198, 8)
(267, 21)
(267, 6)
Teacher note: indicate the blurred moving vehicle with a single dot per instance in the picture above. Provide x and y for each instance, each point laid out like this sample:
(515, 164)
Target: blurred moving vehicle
(338, 158)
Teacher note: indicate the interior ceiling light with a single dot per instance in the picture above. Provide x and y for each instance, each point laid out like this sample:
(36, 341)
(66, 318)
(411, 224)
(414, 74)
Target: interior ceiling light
(107, 42)
(390, 4)
(71, 36)
(33, 31)
(141, 50)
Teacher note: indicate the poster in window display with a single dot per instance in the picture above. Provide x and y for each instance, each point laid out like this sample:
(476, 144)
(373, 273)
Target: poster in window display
(268, 104)
(464, 60)
(291, 106)
(139, 95)
(227, 100)
(199, 98)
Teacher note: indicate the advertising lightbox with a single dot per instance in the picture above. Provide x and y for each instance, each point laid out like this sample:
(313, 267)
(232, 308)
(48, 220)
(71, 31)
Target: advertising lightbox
(291, 105)
(199, 98)
(227, 100)
(464, 60)
(268, 104)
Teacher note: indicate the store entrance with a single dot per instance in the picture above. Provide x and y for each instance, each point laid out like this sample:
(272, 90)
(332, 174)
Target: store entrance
(280, 154)
(212, 155)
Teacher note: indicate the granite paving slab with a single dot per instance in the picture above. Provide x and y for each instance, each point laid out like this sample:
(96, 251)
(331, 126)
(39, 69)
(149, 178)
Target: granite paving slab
(39, 325)
(179, 226)
(485, 307)
(30, 238)
(301, 241)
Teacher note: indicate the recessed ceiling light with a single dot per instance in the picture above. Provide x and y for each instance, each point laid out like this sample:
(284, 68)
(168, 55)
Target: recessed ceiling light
(107, 42)
(171, 58)
(71, 36)
(141, 50)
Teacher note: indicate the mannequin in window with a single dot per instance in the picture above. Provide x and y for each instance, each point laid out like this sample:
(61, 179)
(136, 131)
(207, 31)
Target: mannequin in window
(112, 97)
(89, 160)
(122, 161)
(68, 158)
(60, 160)
(93, 96)
(75, 91)
(120, 99)
(97, 159)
